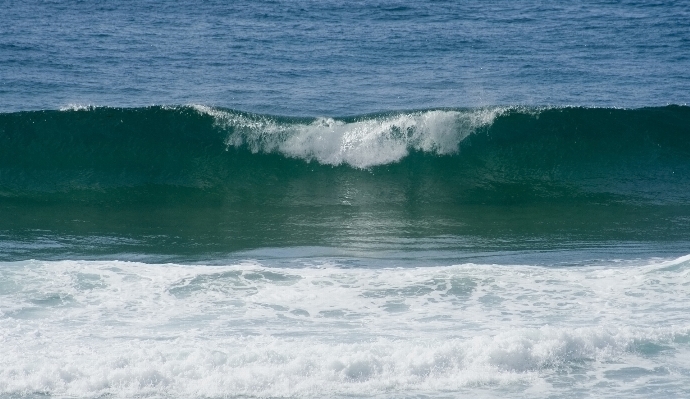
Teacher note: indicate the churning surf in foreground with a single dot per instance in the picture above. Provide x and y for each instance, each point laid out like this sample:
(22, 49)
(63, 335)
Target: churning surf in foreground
(123, 329)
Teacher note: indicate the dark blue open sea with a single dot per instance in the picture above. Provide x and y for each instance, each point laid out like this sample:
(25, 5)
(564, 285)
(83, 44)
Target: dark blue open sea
(344, 199)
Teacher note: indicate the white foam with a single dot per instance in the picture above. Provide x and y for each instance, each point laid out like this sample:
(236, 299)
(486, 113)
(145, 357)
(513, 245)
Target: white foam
(363, 143)
(78, 107)
(88, 329)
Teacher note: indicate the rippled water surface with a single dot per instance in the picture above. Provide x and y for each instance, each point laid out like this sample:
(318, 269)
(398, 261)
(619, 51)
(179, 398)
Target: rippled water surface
(365, 199)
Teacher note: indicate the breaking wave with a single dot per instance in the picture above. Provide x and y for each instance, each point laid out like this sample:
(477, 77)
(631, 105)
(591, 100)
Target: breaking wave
(641, 153)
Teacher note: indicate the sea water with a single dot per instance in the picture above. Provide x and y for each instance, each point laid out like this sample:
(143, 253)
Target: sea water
(88, 329)
(322, 199)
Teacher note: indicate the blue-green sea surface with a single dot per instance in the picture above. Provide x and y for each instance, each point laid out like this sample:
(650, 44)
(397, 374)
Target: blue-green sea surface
(366, 199)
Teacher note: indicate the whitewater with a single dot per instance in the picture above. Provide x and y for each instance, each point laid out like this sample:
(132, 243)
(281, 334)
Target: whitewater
(319, 328)
(363, 142)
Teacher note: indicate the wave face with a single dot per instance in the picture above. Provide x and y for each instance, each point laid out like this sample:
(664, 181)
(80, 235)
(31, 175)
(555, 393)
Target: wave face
(110, 168)
(51, 154)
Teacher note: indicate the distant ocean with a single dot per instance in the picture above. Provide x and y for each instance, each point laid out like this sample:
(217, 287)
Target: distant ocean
(327, 199)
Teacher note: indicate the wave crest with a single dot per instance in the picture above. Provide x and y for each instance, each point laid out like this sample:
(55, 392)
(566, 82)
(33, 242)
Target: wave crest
(361, 143)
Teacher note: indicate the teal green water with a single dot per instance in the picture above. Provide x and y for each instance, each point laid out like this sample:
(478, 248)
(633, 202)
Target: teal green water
(198, 183)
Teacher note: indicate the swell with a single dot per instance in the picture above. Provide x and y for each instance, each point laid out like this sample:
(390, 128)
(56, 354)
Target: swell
(454, 156)
(191, 183)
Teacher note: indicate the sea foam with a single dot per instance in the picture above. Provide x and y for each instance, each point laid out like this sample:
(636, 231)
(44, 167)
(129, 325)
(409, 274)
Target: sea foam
(89, 329)
(365, 142)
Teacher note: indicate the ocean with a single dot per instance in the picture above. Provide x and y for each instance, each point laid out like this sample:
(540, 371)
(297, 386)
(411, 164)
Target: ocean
(365, 199)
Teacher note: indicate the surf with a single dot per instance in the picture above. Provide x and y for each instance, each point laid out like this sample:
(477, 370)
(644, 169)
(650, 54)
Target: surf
(112, 328)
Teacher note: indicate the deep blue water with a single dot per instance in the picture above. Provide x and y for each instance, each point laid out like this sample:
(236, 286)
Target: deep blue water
(340, 58)
(377, 199)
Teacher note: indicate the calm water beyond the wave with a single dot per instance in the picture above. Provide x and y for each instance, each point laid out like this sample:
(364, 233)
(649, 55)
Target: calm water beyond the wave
(325, 199)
